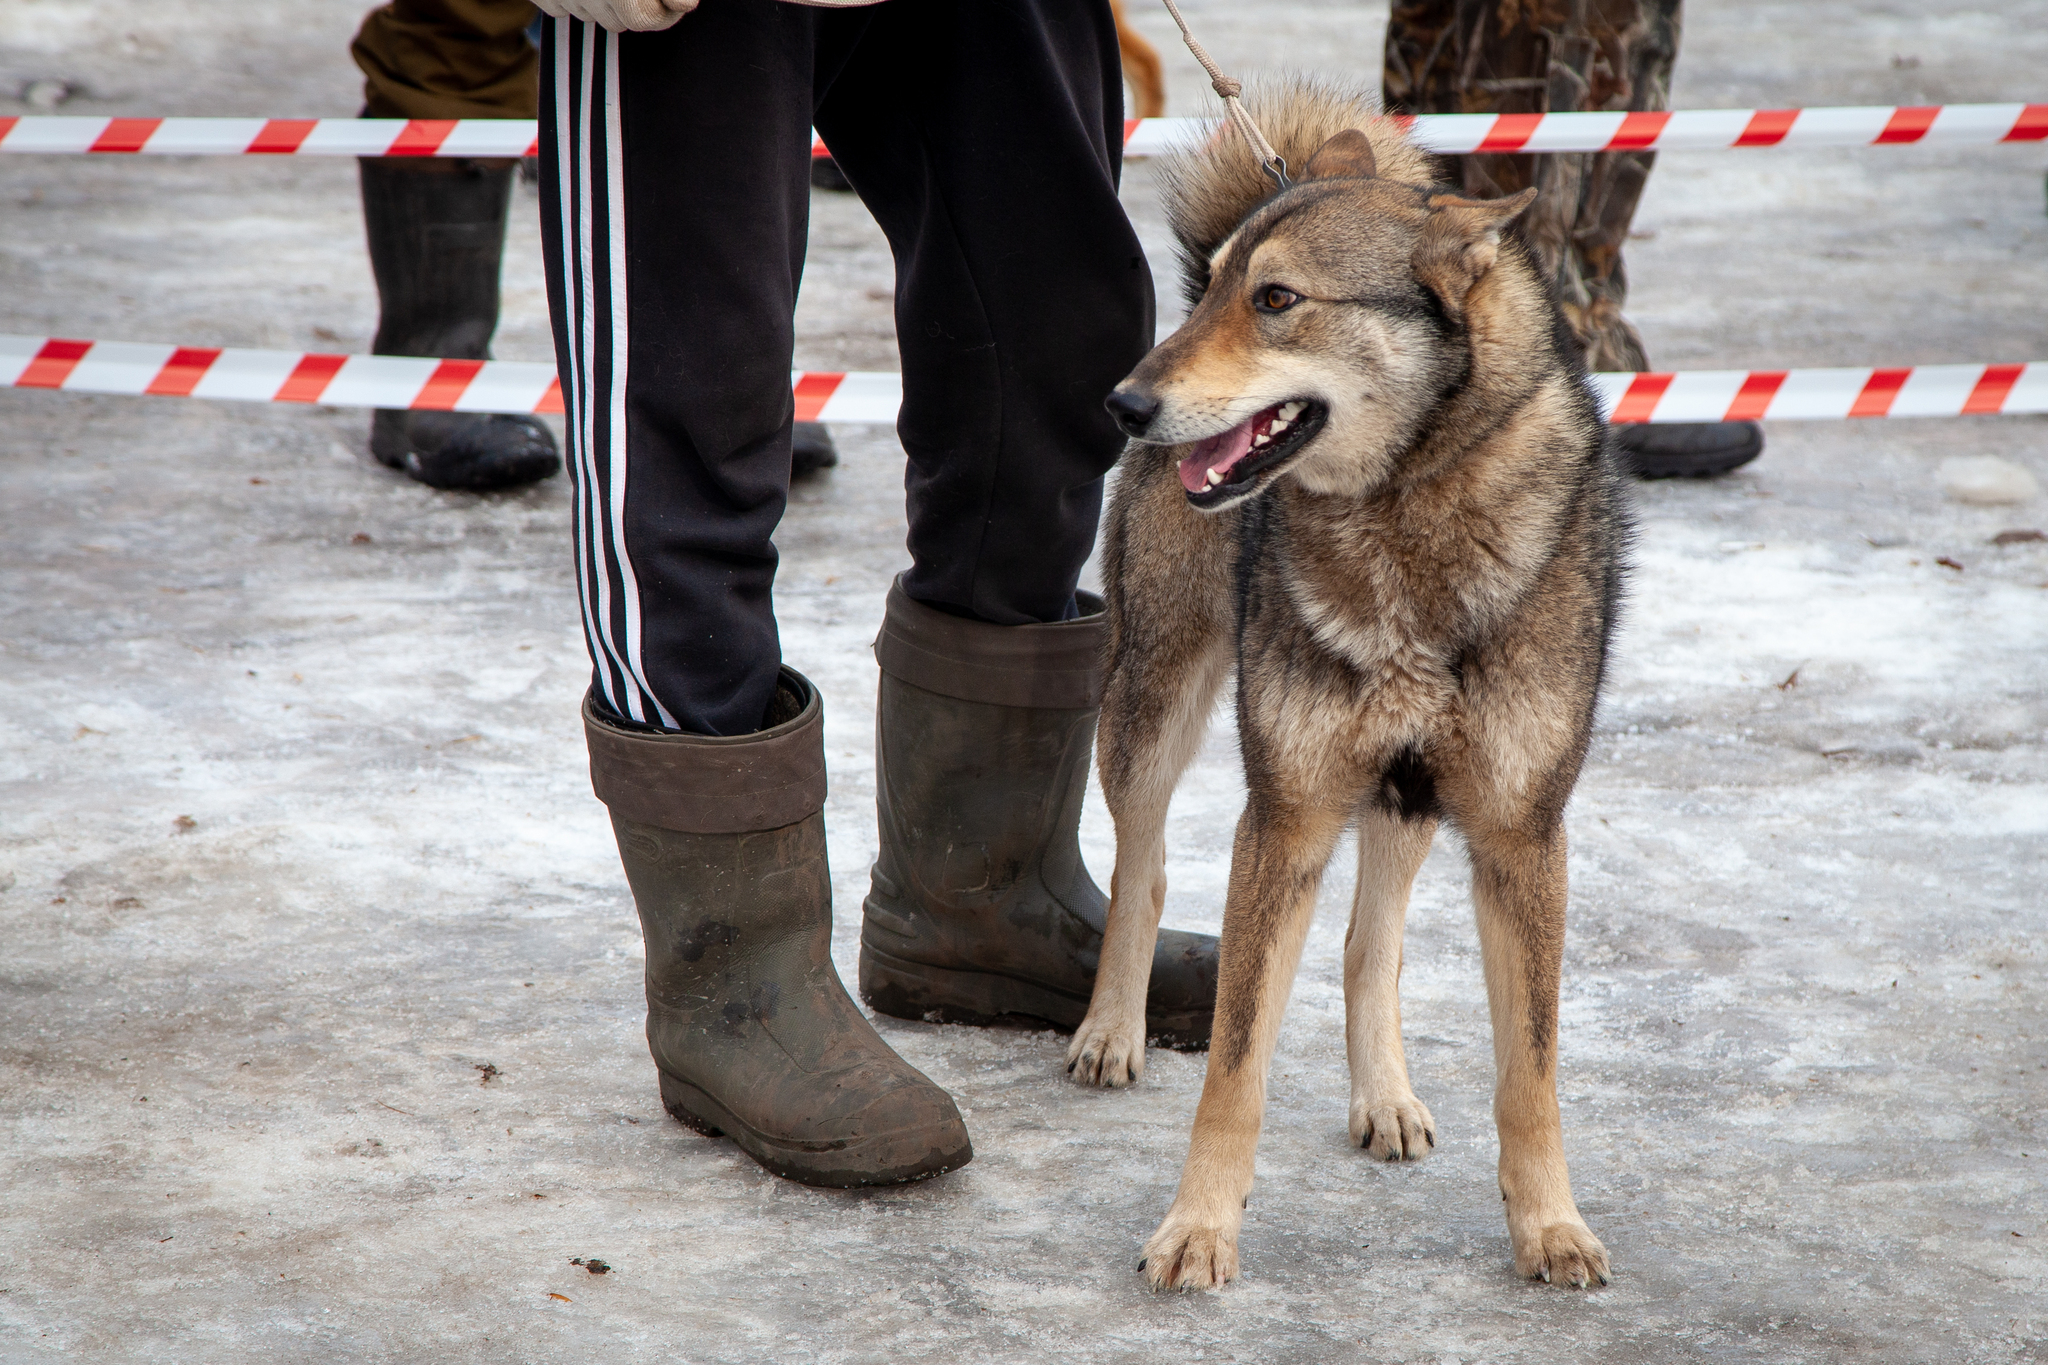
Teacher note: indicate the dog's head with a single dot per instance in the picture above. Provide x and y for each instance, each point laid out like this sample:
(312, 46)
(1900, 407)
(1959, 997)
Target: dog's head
(1332, 324)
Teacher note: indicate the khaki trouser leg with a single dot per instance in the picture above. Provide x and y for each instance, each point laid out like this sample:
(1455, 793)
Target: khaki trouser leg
(449, 59)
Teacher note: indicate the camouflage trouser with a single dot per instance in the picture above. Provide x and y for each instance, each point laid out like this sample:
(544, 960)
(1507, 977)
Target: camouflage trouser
(1543, 56)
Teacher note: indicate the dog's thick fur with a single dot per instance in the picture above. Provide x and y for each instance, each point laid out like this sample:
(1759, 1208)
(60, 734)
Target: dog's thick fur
(1414, 586)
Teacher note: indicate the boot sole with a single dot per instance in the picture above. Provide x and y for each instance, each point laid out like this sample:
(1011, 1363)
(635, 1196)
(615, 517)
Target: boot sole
(826, 1166)
(950, 995)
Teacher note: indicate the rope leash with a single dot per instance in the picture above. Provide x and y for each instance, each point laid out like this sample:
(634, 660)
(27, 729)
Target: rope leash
(1269, 160)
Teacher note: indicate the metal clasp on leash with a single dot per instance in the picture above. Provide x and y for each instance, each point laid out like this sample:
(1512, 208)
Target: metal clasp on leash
(1270, 161)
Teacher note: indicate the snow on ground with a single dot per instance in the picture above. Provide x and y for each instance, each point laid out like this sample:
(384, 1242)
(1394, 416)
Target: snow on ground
(1803, 1029)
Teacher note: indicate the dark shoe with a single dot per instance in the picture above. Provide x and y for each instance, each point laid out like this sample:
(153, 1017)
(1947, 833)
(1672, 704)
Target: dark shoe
(811, 449)
(436, 230)
(477, 451)
(723, 841)
(980, 908)
(826, 175)
(1686, 450)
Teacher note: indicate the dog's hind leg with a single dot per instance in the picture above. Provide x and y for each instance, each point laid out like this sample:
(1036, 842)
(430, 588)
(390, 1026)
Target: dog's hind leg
(1169, 653)
(1518, 889)
(1386, 1118)
(1281, 849)
(1154, 715)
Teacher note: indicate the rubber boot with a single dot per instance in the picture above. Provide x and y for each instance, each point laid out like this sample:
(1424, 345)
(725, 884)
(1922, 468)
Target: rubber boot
(980, 907)
(752, 1032)
(436, 228)
(1686, 450)
(810, 449)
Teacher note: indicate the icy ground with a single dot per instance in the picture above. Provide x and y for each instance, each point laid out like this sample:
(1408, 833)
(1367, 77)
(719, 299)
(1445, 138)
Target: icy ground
(1804, 1044)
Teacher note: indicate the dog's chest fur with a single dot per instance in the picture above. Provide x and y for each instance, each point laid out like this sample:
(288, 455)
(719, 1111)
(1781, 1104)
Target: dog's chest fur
(1338, 639)
(1369, 590)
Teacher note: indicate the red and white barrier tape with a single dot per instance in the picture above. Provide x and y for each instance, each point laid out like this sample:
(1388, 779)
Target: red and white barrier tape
(272, 137)
(384, 381)
(372, 381)
(1855, 126)
(387, 381)
(1791, 395)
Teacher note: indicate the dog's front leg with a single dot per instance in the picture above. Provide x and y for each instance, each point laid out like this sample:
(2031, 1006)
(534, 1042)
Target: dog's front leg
(1386, 1118)
(1518, 888)
(1276, 865)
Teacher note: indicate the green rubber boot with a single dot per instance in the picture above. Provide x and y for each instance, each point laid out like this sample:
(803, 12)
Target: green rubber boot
(754, 1036)
(980, 907)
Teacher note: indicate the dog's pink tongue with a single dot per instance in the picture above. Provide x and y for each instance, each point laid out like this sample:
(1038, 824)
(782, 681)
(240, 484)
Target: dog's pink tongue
(1220, 451)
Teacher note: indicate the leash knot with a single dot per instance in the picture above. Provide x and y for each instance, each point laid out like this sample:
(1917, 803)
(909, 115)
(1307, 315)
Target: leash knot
(1269, 160)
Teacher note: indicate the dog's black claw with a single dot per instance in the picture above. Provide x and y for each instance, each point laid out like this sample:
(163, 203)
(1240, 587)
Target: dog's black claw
(1131, 1072)
(1141, 1265)
(1429, 1137)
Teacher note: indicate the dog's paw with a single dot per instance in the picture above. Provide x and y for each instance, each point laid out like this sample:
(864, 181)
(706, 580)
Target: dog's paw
(1392, 1129)
(1107, 1054)
(1190, 1256)
(1564, 1253)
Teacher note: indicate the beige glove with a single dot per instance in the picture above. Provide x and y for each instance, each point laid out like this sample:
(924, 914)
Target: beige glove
(621, 15)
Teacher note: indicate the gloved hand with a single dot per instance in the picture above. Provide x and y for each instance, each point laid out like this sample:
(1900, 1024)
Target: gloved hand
(620, 15)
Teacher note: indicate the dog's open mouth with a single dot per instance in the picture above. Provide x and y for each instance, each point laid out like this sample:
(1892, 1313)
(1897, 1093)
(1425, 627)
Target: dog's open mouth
(1222, 466)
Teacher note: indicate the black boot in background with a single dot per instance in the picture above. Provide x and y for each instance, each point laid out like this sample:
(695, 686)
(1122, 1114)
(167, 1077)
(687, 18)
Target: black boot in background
(811, 449)
(436, 228)
(1686, 450)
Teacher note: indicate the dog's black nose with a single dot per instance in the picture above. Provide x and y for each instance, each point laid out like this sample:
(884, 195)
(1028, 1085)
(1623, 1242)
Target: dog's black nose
(1132, 409)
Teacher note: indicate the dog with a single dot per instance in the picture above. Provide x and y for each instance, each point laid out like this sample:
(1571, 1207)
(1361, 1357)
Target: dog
(1141, 66)
(1368, 478)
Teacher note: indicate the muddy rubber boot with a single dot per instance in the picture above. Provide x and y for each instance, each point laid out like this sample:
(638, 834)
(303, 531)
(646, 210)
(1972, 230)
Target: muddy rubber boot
(980, 908)
(753, 1034)
(436, 228)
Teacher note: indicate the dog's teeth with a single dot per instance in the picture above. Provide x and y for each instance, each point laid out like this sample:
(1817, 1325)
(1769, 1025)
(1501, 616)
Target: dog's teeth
(1262, 440)
(1280, 424)
(1215, 477)
(1290, 411)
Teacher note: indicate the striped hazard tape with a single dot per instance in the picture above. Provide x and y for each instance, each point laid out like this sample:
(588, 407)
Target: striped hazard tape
(1854, 126)
(1782, 395)
(371, 381)
(386, 381)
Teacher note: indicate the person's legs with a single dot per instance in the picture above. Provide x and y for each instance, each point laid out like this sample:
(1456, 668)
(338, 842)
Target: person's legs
(436, 226)
(675, 167)
(986, 139)
(674, 227)
(1476, 57)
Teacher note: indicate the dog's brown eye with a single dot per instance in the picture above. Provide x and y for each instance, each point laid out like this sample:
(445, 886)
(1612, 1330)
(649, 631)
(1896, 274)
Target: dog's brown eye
(1277, 300)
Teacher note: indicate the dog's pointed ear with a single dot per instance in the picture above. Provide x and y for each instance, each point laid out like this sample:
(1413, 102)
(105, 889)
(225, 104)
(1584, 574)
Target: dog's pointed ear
(1460, 241)
(1349, 154)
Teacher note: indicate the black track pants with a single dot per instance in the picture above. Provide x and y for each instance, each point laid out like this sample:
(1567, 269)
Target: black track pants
(984, 135)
